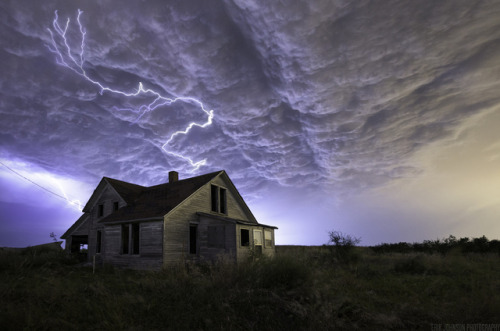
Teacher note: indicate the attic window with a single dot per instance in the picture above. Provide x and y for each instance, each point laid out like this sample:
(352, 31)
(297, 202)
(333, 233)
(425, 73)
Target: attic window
(222, 200)
(100, 210)
(218, 199)
(215, 200)
(115, 205)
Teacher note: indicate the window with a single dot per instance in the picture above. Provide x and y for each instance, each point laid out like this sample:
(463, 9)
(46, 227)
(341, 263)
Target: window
(215, 200)
(115, 205)
(192, 238)
(135, 238)
(125, 238)
(218, 199)
(130, 239)
(222, 200)
(257, 237)
(100, 210)
(268, 238)
(244, 237)
(99, 242)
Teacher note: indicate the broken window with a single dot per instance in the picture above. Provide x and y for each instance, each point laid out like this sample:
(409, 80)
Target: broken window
(245, 237)
(222, 200)
(192, 238)
(125, 238)
(99, 242)
(218, 199)
(100, 210)
(130, 238)
(215, 200)
(135, 238)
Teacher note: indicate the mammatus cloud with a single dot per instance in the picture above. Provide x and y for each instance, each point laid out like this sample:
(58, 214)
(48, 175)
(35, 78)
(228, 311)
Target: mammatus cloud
(66, 57)
(321, 98)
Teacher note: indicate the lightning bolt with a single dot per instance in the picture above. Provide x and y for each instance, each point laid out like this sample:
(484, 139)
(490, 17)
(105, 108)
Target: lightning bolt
(74, 203)
(75, 60)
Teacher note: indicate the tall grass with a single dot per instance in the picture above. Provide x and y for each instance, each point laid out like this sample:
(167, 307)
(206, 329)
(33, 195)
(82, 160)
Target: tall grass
(299, 289)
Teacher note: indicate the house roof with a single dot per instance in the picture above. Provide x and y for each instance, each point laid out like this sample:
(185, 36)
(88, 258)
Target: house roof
(153, 202)
(127, 191)
(75, 225)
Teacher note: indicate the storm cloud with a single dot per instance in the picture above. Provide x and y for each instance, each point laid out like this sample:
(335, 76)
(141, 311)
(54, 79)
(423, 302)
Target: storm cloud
(319, 98)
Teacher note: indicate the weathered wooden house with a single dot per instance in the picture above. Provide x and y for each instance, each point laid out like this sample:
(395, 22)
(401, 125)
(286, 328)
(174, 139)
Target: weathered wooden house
(201, 218)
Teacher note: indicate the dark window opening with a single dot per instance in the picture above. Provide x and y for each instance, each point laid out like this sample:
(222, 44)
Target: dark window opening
(135, 238)
(245, 237)
(219, 200)
(125, 238)
(222, 200)
(99, 241)
(192, 239)
(115, 206)
(100, 210)
(131, 238)
(214, 196)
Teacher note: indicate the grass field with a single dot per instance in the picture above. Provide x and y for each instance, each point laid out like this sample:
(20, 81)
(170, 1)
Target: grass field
(303, 288)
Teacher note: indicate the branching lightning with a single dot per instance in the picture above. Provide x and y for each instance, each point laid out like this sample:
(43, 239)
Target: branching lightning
(75, 60)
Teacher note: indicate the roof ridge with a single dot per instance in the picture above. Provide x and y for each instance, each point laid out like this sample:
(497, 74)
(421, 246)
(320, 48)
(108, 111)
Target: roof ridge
(185, 179)
(122, 181)
(158, 200)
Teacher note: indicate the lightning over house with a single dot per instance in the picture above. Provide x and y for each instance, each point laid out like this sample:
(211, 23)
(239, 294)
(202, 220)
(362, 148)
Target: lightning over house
(74, 60)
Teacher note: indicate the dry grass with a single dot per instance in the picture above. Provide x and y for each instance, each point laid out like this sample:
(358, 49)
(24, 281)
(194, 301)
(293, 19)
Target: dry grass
(300, 289)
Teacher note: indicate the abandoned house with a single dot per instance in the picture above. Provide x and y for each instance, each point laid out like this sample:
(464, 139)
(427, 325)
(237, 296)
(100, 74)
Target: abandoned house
(202, 218)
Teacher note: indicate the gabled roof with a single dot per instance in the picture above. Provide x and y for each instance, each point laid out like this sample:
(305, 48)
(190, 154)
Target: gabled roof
(75, 225)
(156, 201)
(126, 190)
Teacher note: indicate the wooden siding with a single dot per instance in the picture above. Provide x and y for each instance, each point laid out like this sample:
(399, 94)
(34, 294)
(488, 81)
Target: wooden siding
(216, 240)
(235, 209)
(82, 230)
(167, 241)
(244, 252)
(177, 222)
(150, 247)
(151, 244)
(106, 197)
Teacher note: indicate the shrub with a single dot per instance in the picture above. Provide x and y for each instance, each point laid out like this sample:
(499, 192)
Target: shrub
(342, 245)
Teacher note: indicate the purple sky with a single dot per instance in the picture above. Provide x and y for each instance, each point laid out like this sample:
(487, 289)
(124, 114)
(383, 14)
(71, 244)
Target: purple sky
(376, 118)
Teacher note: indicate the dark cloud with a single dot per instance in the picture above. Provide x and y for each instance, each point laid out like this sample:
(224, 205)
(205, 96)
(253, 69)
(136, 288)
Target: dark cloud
(326, 96)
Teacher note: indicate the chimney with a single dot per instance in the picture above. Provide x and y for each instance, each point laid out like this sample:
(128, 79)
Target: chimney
(173, 176)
